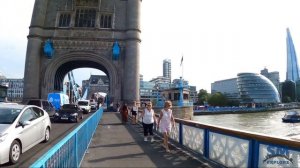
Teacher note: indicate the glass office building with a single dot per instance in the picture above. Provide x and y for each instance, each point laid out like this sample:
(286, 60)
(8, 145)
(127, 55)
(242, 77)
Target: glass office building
(292, 62)
(256, 88)
(167, 69)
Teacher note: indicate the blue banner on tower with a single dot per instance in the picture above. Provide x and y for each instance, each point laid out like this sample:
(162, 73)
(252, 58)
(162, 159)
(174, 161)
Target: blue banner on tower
(49, 49)
(116, 50)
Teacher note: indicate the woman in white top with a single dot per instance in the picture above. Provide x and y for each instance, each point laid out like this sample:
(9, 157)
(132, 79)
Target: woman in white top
(149, 118)
(166, 122)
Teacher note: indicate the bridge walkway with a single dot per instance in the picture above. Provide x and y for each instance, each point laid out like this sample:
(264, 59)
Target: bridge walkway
(122, 145)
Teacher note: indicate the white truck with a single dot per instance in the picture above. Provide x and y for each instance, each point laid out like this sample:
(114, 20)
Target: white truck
(85, 105)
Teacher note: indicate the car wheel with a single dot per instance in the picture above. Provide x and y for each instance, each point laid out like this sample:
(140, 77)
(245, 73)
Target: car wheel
(47, 135)
(14, 152)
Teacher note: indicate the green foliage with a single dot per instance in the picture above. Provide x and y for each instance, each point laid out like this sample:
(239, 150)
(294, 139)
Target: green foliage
(202, 97)
(233, 103)
(217, 99)
(286, 99)
(288, 91)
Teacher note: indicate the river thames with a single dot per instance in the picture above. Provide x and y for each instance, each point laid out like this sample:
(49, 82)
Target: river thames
(269, 123)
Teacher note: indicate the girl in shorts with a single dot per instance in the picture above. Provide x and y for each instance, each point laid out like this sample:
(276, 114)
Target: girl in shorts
(166, 122)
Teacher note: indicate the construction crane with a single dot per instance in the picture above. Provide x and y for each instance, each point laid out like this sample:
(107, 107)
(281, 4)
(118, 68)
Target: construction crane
(73, 86)
(87, 88)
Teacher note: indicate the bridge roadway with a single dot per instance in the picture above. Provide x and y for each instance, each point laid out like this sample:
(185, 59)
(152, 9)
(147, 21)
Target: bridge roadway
(58, 131)
(117, 145)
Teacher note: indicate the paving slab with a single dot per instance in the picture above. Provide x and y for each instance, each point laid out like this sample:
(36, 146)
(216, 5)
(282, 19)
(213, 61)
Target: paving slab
(122, 145)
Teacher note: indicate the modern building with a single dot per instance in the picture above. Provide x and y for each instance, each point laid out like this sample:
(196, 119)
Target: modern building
(15, 89)
(292, 72)
(161, 82)
(257, 89)
(167, 69)
(273, 76)
(193, 94)
(152, 90)
(289, 91)
(141, 77)
(3, 93)
(227, 87)
(148, 92)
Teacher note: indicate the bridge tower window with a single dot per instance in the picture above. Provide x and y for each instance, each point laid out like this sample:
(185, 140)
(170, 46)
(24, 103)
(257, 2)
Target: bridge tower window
(64, 20)
(106, 21)
(85, 18)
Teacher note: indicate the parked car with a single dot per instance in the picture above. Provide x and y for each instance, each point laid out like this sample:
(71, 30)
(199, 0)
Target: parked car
(69, 113)
(44, 104)
(84, 105)
(21, 128)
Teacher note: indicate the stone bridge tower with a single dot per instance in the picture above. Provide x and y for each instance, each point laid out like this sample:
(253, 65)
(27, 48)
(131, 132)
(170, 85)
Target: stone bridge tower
(69, 34)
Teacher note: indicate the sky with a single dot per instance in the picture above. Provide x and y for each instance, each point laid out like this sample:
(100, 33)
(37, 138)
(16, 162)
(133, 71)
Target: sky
(216, 38)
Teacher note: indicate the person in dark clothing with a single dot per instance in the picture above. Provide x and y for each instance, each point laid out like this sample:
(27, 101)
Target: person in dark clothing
(124, 113)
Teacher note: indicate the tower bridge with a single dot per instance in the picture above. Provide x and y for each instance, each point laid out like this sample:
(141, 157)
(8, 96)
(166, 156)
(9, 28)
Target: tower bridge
(68, 34)
(105, 34)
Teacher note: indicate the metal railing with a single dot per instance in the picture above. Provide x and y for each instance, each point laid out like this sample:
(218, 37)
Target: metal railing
(70, 151)
(235, 148)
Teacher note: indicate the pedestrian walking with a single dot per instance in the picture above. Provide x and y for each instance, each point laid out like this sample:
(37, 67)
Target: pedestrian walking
(124, 113)
(134, 111)
(148, 120)
(166, 122)
(118, 107)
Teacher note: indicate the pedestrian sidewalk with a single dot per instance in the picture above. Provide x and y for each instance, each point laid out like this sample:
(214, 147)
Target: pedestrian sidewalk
(122, 145)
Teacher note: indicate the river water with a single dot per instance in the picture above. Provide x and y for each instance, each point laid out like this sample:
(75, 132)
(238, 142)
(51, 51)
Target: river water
(269, 123)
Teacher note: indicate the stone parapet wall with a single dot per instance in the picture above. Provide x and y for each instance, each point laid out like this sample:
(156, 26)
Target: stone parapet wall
(179, 112)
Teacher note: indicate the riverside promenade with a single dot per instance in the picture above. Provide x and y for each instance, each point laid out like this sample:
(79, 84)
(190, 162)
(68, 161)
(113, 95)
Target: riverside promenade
(122, 145)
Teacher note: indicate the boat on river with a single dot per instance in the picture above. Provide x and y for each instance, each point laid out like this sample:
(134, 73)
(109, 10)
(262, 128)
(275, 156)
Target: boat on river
(291, 116)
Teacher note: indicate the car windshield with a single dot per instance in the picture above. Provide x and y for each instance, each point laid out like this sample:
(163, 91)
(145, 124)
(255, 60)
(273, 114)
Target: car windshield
(8, 115)
(83, 103)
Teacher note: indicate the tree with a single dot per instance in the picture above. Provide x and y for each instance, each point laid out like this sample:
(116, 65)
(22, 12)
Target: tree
(233, 103)
(217, 99)
(288, 90)
(202, 96)
(286, 99)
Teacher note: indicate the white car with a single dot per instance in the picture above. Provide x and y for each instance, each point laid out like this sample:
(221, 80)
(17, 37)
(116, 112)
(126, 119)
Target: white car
(85, 105)
(21, 128)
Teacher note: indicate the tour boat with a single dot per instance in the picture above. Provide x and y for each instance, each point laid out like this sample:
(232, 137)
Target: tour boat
(291, 116)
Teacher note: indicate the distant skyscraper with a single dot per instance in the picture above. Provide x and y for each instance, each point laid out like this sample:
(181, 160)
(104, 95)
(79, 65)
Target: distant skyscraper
(292, 62)
(167, 68)
(273, 76)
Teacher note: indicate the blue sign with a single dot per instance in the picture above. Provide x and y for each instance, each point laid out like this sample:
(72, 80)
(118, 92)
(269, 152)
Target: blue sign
(49, 49)
(116, 51)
